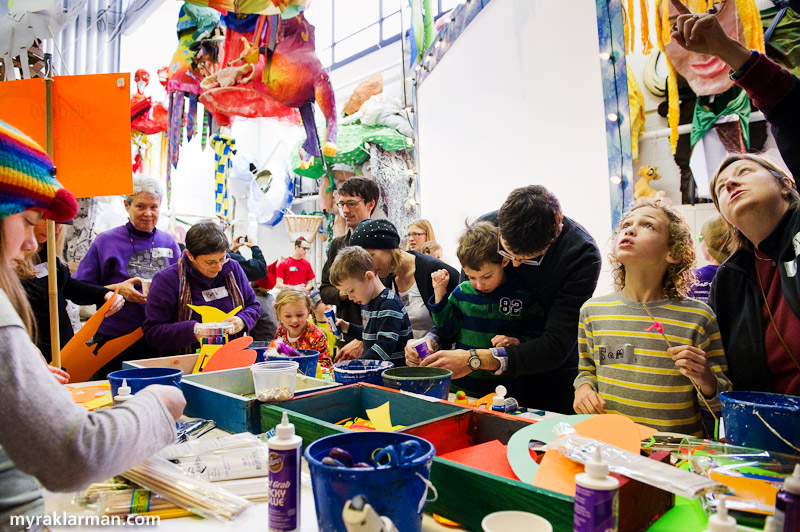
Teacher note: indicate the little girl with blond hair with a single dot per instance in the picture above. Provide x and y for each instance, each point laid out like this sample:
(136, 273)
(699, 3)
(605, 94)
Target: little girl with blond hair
(293, 308)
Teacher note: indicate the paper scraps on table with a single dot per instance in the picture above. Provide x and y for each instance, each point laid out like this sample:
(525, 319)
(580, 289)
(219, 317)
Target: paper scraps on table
(557, 473)
(232, 355)
(381, 418)
(491, 457)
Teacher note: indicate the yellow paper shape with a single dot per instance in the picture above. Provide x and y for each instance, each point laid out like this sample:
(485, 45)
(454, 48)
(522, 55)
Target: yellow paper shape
(381, 418)
(100, 402)
(206, 350)
(212, 314)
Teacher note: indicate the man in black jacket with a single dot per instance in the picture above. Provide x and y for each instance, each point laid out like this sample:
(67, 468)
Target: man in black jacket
(358, 197)
(558, 262)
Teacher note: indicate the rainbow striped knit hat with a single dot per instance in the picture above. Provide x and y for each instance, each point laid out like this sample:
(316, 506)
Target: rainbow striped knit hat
(27, 179)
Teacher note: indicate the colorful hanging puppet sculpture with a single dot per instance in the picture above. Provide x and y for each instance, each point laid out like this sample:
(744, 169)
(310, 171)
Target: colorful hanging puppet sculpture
(146, 119)
(271, 69)
(705, 74)
(200, 38)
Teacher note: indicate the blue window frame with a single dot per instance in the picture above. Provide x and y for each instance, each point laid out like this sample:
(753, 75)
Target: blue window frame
(349, 29)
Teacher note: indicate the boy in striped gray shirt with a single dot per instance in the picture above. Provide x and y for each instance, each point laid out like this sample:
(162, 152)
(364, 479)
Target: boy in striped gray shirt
(647, 351)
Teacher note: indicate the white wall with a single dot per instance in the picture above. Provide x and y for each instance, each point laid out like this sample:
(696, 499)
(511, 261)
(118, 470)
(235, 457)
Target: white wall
(500, 113)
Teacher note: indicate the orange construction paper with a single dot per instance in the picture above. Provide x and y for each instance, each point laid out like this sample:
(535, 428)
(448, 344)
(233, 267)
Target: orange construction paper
(87, 393)
(232, 355)
(91, 128)
(80, 361)
(557, 473)
(490, 457)
(748, 488)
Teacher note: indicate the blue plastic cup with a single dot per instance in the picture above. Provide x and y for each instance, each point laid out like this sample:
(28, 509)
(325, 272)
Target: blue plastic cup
(307, 361)
(395, 490)
(261, 350)
(353, 371)
(751, 417)
(140, 378)
(433, 382)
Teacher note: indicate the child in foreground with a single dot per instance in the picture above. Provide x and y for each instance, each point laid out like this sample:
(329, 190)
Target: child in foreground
(293, 307)
(487, 311)
(626, 366)
(386, 327)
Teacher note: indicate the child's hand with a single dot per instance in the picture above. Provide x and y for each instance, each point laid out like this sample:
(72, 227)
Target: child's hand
(692, 363)
(412, 357)
(588, 401)
(440, 279)
(502, 340)
(343, 325)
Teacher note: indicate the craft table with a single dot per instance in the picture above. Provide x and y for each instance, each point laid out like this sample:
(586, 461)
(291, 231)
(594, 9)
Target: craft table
(686, 516)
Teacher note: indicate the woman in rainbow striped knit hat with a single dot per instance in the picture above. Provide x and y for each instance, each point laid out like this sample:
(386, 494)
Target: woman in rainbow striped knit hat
(43, 433)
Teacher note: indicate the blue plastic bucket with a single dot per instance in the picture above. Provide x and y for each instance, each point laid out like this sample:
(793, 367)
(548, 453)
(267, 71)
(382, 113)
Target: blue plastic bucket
(397, 491)
(307, 361)
(434, 382)
(261, 350)
(749, 415)
(353, 371)
(140, 378)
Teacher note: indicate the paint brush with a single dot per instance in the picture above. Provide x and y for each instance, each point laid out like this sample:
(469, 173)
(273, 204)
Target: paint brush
(660, 328)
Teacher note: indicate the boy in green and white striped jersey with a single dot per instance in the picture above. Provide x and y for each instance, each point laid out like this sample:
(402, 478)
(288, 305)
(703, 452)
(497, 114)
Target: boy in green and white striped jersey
(626, 366)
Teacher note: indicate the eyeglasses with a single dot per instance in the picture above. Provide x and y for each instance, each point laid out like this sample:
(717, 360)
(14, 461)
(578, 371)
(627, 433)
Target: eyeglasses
(528, 262)
(415, 235)
(212, 263)
(351, 204)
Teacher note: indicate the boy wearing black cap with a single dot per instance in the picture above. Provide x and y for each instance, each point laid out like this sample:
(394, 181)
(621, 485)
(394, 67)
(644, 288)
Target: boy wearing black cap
(386, 327)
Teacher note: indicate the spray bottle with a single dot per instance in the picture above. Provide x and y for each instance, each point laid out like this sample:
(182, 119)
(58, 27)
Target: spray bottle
(284, 478)
(787, 504)
(596, 497)
(123, 393)
(721, 521)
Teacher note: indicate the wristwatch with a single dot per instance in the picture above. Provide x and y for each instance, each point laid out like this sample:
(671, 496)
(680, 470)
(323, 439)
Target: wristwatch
(474, 361)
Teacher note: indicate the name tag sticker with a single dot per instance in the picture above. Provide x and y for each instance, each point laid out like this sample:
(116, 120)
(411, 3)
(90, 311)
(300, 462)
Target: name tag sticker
(158, 253)
(215, 293)
(40, 270)
(616, 354)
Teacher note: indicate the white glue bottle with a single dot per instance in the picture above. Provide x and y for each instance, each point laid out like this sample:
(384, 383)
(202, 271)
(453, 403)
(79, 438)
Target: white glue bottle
(787, 503)
(284, 478)
(123, 393)
(596, 497)
(721, 521)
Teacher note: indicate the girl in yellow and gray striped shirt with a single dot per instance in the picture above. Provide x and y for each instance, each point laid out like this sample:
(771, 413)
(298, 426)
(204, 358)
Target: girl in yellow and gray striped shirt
(625, 368)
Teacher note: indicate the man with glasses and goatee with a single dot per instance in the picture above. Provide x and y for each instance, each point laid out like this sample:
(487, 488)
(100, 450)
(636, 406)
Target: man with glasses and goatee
(557, 260)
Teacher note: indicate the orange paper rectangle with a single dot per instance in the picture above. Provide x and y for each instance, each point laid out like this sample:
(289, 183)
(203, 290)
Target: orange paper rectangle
(91, 128)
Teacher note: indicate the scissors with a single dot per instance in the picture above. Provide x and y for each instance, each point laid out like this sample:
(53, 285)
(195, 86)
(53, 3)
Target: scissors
(397, 454)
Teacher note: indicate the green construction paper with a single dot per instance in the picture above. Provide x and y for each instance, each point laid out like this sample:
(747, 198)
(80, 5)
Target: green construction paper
(519, 456)
(687, 516)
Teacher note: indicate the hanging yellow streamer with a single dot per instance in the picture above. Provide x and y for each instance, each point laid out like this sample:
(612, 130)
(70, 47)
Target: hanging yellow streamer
(637, 113)
(644, 23)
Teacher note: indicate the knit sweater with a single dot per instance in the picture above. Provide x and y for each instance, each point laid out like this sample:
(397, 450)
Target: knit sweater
(386, 328)
(162, 328)
(119, 254)
(630, 367)
(49, 436)
(473, 318)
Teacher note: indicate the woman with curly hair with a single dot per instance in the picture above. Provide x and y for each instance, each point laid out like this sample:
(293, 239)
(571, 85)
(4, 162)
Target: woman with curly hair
(626, 365)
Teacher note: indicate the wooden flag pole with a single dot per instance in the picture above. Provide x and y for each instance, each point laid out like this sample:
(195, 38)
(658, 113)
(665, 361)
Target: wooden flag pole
(52, 274)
